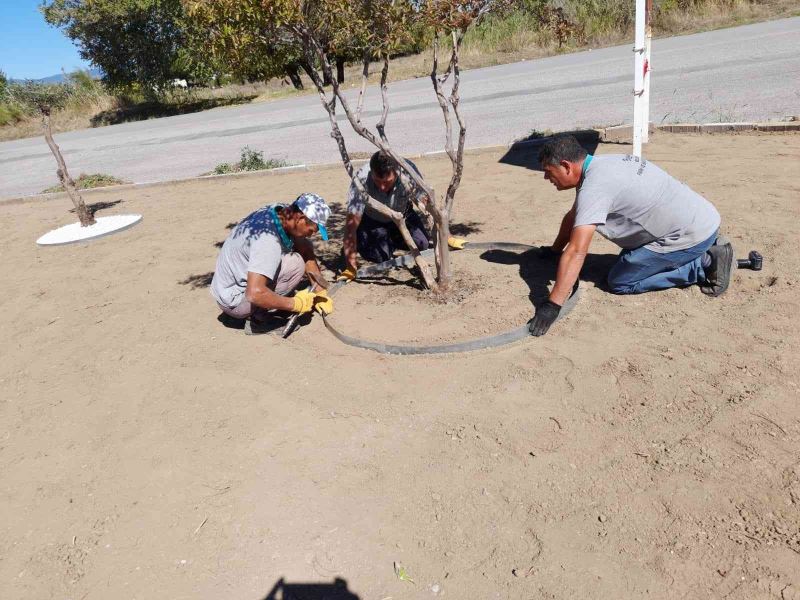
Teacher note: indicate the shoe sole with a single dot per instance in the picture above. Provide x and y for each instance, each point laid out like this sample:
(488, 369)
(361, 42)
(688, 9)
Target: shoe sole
(727, 262)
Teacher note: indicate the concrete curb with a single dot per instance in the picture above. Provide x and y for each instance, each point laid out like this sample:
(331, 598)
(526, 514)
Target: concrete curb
(615, 134)
(622, 133)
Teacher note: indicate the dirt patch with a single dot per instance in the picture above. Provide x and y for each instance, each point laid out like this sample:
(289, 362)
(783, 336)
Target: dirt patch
(486, 297)
(647, 446)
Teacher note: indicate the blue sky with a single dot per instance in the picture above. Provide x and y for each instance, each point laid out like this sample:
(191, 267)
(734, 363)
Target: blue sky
(29, 47)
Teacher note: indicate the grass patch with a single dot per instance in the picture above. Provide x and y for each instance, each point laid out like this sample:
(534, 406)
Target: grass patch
(250, 160)
(85, 182)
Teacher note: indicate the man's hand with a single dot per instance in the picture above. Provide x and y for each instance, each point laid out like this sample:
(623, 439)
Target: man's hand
(349, 274)
(306, 301)
(323, 303)
(303, 301)
(545, 316)
(548, 253)
(456, 243)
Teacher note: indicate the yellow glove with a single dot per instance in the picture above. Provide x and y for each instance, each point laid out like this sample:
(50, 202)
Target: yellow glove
(323, 303)
(303, 301)
(456, 243)
(347, 275)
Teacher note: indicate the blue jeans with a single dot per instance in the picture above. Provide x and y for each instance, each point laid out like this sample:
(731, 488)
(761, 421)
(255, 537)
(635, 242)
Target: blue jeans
(641, 270)
(377, 241)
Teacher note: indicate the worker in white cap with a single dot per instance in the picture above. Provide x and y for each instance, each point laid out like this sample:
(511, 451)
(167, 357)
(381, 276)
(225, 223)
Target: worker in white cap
(265, 258)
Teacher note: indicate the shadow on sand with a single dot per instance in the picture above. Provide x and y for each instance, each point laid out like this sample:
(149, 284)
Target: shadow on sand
(539, 273)
(525, 152)
(337, 590)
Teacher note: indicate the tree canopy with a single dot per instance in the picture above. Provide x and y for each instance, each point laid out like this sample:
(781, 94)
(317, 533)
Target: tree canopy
(132, 41)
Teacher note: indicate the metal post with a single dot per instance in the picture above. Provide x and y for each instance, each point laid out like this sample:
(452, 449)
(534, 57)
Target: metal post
(638, 77)
(648, 40)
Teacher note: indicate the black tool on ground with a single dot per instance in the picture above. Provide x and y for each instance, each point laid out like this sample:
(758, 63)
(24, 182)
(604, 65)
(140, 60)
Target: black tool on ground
(753, 261)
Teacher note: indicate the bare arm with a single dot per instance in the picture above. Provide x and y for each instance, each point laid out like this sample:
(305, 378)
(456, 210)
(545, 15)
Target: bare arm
(259, 294)
(564, 231)
(350, 250)
(305, 249)
(571, 262)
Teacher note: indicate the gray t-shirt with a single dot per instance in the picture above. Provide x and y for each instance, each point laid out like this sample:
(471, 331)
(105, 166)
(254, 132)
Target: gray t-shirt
(634, 204)
(253, 245)
(398, 199)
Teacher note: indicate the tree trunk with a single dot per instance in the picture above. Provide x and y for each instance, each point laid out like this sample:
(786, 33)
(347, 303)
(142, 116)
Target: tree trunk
(339, 70)
(293, 73)
(83, 213)
(443, 250)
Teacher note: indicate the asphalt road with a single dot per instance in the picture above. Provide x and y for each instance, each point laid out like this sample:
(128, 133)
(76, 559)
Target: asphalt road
(739, 74)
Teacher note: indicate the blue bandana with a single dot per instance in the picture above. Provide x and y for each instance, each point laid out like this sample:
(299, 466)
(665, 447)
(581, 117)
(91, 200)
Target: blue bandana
(586, 162)
(281, 231)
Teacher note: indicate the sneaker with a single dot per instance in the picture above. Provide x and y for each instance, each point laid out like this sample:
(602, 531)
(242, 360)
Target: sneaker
(259, 326)
(718, 274)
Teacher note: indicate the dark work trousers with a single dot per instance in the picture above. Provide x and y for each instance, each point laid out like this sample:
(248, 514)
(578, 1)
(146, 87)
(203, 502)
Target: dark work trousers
(377, 241)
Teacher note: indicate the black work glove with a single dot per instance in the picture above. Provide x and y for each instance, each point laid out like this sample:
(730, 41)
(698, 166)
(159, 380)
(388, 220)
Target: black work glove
(545, 316)
(547, 253)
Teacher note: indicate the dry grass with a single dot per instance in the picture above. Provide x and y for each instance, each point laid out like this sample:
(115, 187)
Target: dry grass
(87, 182)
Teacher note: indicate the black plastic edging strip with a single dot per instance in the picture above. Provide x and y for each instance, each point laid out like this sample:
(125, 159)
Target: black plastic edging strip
(491, 341)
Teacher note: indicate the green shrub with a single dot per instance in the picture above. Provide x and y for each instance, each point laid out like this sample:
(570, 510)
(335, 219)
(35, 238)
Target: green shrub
(10, 113)
(250, 160)
(85, 182)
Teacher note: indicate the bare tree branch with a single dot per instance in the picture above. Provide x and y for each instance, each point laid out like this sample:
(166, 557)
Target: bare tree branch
(458, 163)
(364, 79)
(381, 126)
(442, 101)
(83, 213)
(311, 47)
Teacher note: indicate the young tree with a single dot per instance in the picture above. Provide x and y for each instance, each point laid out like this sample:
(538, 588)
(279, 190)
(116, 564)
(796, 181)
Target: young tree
(372, 30)
(46, 98)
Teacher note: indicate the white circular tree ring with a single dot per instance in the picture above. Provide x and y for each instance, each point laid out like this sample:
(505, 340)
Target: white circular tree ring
(72, 233)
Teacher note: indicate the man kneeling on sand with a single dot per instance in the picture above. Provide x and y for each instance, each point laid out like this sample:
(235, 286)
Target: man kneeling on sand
(668, 232)
(265, 258)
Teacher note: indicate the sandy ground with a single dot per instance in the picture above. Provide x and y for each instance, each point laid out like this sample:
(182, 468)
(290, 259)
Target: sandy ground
(647, 446)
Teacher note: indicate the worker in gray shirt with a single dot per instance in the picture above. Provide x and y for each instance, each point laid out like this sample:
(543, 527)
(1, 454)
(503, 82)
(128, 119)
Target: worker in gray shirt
(668, 233)
(367, 232)
(265, 258)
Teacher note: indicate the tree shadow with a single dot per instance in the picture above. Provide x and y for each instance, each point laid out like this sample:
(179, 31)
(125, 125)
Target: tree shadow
(525, 152)
(465, 228)
(539, 273)
(229, 226)
(330, 254)
(96, 207)
(202, 280)
(155, 110)
(337, 590)
(414, 282)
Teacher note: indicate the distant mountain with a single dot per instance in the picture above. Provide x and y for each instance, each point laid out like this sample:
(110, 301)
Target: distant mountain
(60, 78)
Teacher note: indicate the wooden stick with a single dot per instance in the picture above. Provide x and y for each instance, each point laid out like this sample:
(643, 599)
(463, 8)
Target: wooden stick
(85, 217)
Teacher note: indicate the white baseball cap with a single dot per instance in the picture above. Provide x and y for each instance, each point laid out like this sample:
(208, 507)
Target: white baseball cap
(317, 211)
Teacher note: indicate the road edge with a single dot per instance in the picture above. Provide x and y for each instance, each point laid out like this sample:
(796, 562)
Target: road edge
(620, 134)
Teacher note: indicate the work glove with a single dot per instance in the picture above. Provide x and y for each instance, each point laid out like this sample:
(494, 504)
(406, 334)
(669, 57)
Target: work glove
(303, 301)
(349, 274)
(547, 253)
(546, 315)
(456, 243)
(323, 303)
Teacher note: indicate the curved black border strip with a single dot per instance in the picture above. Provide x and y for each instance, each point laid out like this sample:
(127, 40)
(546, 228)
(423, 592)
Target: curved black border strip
(492, 341)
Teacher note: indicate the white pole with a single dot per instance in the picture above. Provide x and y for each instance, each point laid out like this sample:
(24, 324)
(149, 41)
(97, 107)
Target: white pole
(648, 41)
(638, 77)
